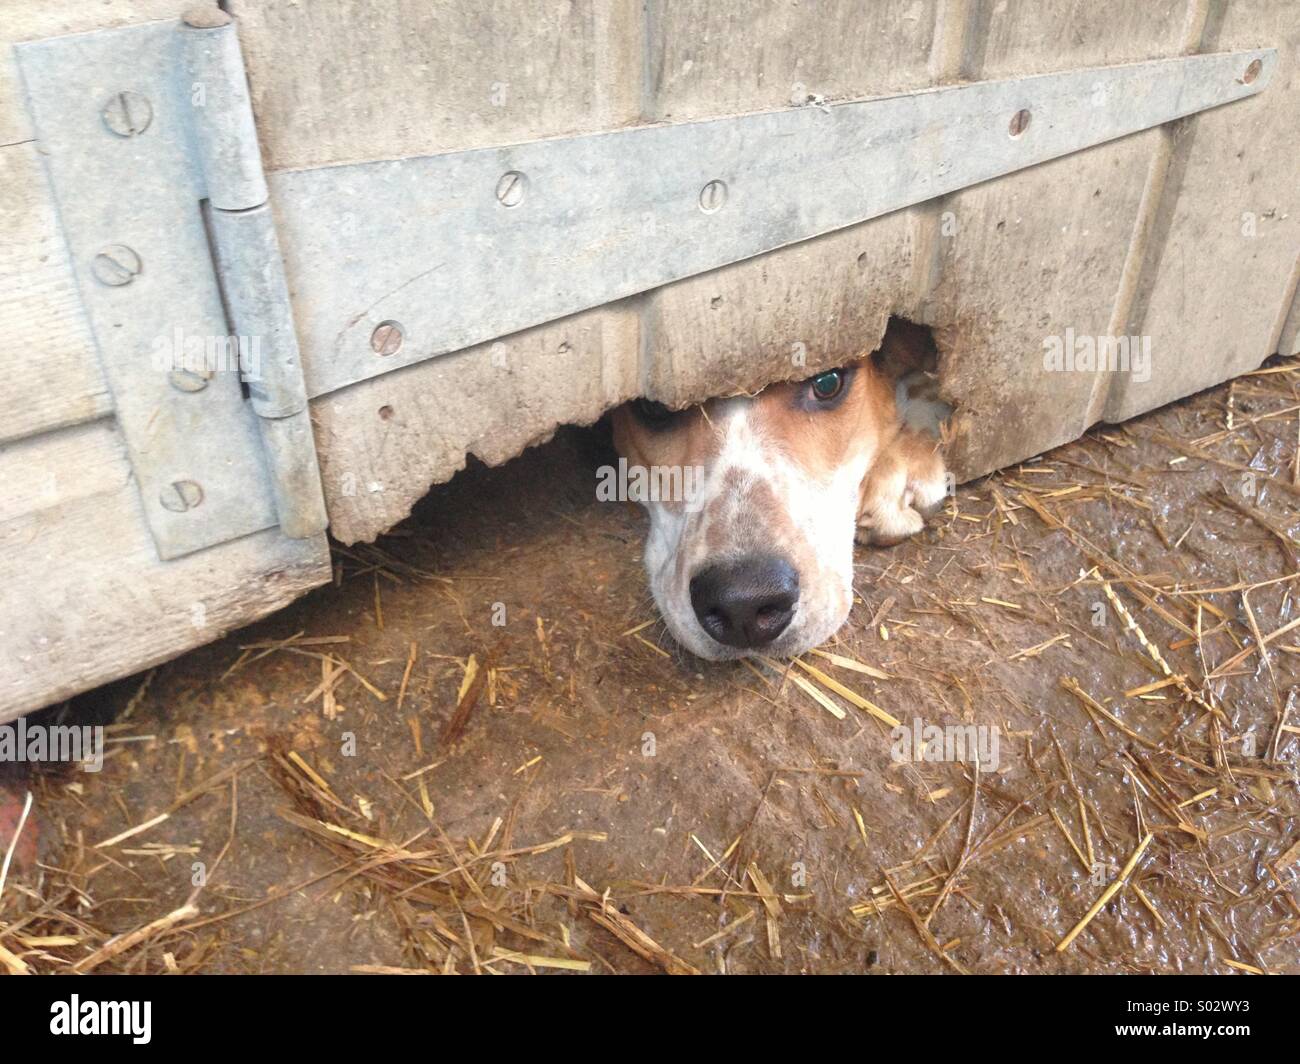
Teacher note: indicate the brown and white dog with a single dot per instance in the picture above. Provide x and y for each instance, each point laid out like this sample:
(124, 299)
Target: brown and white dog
(759, 558)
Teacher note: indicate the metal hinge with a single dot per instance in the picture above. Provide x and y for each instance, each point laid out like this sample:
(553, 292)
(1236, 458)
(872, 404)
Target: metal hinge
(152, 152)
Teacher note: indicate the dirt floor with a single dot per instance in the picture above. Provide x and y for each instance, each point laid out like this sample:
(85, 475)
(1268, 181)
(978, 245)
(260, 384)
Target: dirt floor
(478, 750)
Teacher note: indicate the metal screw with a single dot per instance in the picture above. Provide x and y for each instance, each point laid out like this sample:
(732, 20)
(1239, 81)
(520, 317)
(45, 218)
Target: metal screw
(189, 380)
(127, 114)
(180, 495)
(1019, 122)
(511, 188)
(1252, 71)
(115, 265)
(713, 196)
(386, 338)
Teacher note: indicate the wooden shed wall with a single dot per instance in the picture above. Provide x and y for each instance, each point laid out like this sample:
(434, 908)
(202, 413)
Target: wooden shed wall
(1188, 234)
(1140, 236)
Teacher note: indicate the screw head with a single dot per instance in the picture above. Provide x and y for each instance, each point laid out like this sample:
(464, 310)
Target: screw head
(115, 265)
(511, 188)
(386, 338)
(189, 380)
(180, 495)
(1252, 71)
(127, 114)
(1019, 122)
(713, 196)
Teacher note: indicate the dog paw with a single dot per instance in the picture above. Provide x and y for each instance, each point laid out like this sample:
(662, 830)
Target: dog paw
(889, 525)
(927, 491)
(907, 484)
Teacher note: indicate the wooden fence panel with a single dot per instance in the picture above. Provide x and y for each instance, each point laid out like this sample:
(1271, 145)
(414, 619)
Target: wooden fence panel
(1220, 265)
(1042, 250)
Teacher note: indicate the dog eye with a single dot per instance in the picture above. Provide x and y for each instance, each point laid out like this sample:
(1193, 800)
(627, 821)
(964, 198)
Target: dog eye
(826, 386)
(651, 413)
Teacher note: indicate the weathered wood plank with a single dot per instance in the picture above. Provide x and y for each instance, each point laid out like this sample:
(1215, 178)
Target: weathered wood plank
(1219, 271)
(48, 359)
(1007, 38)
(709, 59)
(1043, 250)
(821, 302)
(383, 442)
(784, 315)
(83, 596)
(57, 468)
(336, 80)
(1033, 255)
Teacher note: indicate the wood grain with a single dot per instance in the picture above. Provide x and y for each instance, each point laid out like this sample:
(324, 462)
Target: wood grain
(1219, 272)
(85, 599)
(48, 359)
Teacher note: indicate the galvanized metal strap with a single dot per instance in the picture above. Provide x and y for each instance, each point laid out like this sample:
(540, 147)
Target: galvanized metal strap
(440, 252)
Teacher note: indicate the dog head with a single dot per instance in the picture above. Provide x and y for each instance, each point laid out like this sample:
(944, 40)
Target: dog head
(754, 550)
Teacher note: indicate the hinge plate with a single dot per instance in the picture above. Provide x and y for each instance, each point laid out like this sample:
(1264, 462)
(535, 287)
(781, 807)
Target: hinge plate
(116, 117)
(468, 246)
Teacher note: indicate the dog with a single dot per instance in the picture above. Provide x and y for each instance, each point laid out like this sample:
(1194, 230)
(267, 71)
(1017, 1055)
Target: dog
(758, 556)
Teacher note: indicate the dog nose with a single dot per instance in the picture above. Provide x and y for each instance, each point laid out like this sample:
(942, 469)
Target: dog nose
(747, 603)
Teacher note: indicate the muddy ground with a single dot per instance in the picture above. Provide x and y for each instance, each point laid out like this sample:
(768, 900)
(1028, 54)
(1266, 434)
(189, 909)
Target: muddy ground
(328, 791)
